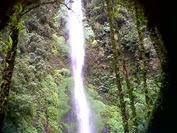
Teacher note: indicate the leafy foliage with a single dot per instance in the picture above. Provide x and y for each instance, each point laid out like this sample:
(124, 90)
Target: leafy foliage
(61, 45)
(40, 99)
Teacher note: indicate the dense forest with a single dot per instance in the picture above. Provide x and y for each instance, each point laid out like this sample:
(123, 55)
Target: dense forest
(123, 70)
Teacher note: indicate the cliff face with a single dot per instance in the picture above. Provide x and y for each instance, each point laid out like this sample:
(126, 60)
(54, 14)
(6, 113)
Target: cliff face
(126, 27)
(40, 68)
(40, 96)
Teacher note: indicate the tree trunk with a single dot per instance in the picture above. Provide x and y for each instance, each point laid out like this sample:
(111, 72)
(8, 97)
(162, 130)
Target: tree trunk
(7, 73)
(158, 45)
(143, 59)
(116, 68)
(131, 96)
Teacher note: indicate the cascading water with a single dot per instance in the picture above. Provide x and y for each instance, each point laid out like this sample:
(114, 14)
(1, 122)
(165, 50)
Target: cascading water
(76, 40)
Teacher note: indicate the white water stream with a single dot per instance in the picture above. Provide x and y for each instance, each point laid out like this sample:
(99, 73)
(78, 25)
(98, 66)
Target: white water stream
(76, 41)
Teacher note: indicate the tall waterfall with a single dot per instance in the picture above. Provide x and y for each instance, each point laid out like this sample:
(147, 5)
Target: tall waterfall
(76, 40)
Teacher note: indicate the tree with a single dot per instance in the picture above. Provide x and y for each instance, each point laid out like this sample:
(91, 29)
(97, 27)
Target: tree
(116, 66)
(158, 45)
(18, 11)
(9, 65)
(142, 55)
(131, 96)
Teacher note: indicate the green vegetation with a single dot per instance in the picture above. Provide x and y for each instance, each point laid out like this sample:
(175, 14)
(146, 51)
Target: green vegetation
(122, 69)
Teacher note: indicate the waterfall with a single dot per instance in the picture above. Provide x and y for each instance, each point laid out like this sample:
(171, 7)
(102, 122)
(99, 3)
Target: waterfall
(77, 42)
